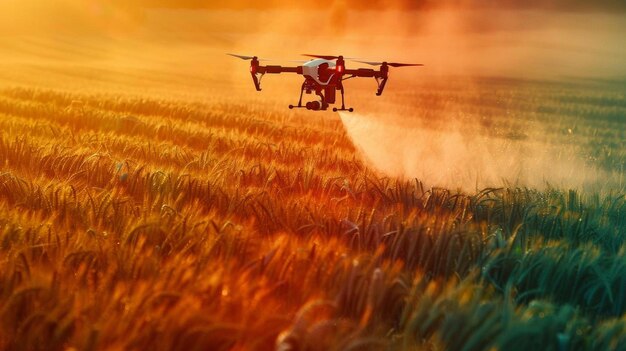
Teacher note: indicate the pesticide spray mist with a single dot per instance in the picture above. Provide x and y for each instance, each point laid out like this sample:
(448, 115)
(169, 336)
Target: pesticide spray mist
(459, 158)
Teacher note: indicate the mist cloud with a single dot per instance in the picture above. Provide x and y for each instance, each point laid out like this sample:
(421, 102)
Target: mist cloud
(457, 157)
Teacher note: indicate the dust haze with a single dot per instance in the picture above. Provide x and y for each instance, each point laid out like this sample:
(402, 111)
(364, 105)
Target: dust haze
(449, 40)
(460, 157)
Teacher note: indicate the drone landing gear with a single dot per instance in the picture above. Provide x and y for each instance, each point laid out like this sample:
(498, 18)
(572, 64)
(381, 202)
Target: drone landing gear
(311, 105)
(300, 101)
(343, 105)
(343, 109)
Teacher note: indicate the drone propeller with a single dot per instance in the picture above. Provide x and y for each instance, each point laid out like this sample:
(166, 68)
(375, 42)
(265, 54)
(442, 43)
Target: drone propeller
(327, 57)
(244, 57)
(392, 64)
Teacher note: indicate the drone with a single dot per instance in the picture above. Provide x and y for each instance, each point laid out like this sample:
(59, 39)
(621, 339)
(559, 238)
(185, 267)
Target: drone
(324, 75)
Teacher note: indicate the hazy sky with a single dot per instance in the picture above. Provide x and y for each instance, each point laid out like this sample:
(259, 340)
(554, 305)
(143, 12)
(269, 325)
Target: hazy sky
(458, 39)
(565, 5)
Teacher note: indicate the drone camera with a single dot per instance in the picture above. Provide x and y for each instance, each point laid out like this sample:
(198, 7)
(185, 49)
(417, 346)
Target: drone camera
(313, 105)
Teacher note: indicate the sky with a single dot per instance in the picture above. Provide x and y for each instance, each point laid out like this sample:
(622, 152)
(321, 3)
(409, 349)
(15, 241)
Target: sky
(554, 5)
(565, 5)
(530, 39)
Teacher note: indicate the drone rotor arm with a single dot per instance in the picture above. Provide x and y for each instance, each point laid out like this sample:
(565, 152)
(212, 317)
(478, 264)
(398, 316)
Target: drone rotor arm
(361, 72)
(257, 71)
(279, 69)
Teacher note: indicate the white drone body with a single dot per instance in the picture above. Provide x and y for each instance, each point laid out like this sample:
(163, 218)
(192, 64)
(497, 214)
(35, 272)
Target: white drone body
(310, 69)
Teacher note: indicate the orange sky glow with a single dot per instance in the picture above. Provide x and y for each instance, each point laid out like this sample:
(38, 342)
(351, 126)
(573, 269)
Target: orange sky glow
(452, 39)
